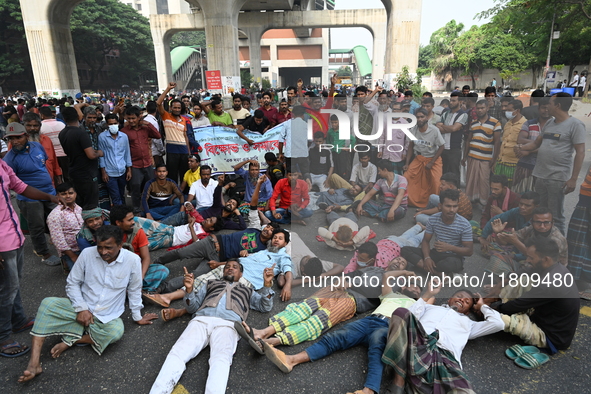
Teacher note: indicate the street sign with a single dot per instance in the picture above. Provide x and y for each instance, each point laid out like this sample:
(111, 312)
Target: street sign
(214, 79)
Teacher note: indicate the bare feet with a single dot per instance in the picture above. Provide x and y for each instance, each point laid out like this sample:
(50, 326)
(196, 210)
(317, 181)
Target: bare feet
(273, 341)
(422, 226)
(30, 373)
(157, 299)
(58, 349)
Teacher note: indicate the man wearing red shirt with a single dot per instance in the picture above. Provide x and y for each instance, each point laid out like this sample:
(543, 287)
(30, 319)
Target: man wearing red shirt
(139, 132)
(284, 113)
(294, 200)
(269, 111)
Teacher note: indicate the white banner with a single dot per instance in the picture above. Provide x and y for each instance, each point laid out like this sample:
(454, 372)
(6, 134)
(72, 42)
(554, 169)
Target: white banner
(222, 149)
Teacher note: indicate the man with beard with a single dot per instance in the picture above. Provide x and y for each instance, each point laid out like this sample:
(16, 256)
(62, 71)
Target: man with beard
(179, 135)
(268, 110)
(451, 126)
(215, 308)
(32, 123)
(284, 113)
(501, 199)
(210, 253)
(512, 260)
(516, 218)
(214, 110)
(335, 197)
(424, 171)
(96, 290)
(275, 257)
(425, 342)
(250, 180)
(371, 331)
(29, 162)
(552, 324)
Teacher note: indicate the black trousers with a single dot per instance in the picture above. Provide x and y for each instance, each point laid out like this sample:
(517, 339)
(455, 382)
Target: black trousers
(177, 164)
(87, 193)
(444, 262)
(451, 160)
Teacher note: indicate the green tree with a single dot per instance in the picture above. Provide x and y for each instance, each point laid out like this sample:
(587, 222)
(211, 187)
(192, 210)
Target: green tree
(466, 56)
(246, 78)
(15, 63)
(266, 83)
(188, 39)
(443, 42)
(108, 27)
(344, 71)
(425, 56)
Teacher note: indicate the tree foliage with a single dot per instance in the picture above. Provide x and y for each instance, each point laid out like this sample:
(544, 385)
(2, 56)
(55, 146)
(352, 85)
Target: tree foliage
(15, 62)
(344, 71)
(107, 27)
(187, 39)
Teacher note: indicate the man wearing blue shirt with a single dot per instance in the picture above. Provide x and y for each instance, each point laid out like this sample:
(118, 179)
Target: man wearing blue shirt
(27, 159)
(116, 163)
(215, 308)
(250, 180)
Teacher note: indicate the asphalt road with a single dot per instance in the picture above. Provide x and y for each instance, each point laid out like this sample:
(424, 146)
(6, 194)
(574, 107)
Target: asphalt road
(132, 364)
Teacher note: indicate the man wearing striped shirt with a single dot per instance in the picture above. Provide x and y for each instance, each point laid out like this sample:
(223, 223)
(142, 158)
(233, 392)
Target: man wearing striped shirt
(453, 239)
(481, 152)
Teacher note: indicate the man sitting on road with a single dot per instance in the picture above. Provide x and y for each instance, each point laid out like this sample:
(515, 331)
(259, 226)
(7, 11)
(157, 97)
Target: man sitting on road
(250, 179)
(91, 313)
(294, 198)
(162, 197)
(453, 235)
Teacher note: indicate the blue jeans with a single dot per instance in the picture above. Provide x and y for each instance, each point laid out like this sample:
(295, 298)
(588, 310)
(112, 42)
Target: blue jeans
(116, 188)
(552, 196)
(12, 313)
(369, 331)
(433, 202)
(68, 261)
(286, 215)
(178, 219)
(411, 237)
(380, 210)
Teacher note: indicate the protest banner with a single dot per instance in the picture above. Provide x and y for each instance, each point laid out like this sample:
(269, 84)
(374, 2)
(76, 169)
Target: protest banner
(222, 148)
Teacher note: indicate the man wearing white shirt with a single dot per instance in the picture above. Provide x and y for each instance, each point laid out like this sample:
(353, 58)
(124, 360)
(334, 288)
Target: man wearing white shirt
(202, 190)
(582, 83)
(428, 368)
(157, 146)
(574, 83)
(96, 288)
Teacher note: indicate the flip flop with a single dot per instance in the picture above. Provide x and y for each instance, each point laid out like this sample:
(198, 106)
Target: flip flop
(26, 327)
(176, 313)
(532, 361)
(13, 345)
(585, 295)
(149, 298)
(517, 351)
(274, 356)
(248, 336)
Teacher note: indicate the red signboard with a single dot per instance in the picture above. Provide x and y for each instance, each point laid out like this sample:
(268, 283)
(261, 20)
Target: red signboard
(214, 79)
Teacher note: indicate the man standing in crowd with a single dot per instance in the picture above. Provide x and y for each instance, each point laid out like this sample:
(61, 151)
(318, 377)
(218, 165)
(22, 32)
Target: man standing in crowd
(51, 128)
(556, 173)
(12, 314)
(451, 126)
(83, 159)
(507, 162)
(138, 133)
(28, 161)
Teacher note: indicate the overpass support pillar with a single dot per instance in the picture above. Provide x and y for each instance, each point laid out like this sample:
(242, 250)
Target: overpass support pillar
(254, 49)
(403, 35)
(379, 50)
(221, 34)
(161, 41)
(47, 28)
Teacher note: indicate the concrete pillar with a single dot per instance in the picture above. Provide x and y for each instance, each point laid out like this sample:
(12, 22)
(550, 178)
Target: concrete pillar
(47, 28)
(402, 35)
(162, 54)
(221, 34)
(379, 50)
(254, 49)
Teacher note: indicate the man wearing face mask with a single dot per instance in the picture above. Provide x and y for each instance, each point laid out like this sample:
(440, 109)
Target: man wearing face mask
(28, 160)
(507, 158)
(116, 163)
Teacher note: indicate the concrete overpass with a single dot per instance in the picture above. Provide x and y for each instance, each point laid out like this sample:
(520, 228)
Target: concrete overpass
(395, 33)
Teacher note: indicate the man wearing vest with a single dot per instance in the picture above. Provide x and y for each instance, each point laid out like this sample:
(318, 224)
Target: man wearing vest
(215, 308)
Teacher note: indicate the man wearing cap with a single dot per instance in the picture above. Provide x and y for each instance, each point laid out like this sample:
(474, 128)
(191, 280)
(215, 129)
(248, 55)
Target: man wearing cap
(32, 123)
(27, 159)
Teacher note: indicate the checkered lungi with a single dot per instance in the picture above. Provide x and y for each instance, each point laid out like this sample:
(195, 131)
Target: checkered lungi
(414, 355)
(159, 235)
(156, 273)
(56, 316)
(579, 243)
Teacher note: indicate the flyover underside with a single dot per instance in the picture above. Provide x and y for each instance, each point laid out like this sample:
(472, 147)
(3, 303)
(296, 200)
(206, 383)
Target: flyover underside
(374, 20)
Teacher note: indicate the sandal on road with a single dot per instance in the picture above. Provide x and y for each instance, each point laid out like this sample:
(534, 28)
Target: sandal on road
(532, 361)
(248, 336)
(172, 314)
(28, 325)
(517, 351)
(154, 299)
(21, 350)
